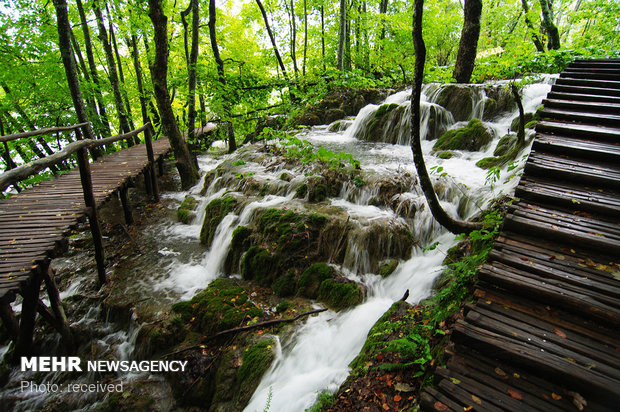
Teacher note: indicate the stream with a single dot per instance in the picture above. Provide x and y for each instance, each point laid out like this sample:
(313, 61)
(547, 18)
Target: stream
(173, 265)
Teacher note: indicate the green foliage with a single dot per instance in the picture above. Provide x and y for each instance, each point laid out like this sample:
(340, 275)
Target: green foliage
(324, 400)
(222, 305)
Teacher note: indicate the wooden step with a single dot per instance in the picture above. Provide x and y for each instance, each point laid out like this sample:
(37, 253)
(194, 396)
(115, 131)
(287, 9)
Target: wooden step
(594, 64)
(561, 370)
(577, 105)
(603, 84)
(584, 171)
(615, 69)
(569, 195)
(578, 130)
(577, 116)
(594, 98)
(562, 87)
(597, 150)
(590, 74)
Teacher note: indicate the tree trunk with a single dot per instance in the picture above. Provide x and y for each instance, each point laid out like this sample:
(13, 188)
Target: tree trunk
(273, 39)
(323, 36)
(530, 27)
(90, 102)
(232, 144)
(133, 43)
(93, 70)
(553, 36)
(159, 72)
(454, 226)
(303, 67)
(191, 72)
(112, 72)
(383, 5)
(468, 46)
(342, 35)
(293, 39)
(521, 130)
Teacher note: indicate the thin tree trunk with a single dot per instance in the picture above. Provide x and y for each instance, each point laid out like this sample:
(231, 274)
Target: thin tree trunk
(342, 35)
(112, 72)
(185, 163)
(11, 127)
(293, 38)
(468, 46)
(232, 144)
(193, 60)
(454, 226)
(273, 40)
(347, 41)
(530, 27)
(303, 67)
(93, 70)
(521, 129)
(133, 43)
(323, 36)
(553, 36)
(383, 5)
(90, 102)
(121, 76)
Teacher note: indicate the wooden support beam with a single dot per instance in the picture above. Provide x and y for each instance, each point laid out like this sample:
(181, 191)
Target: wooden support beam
(30, 294)
(9, 319)
(58, 310)
(160, 166)
(91, 210)
(122, 194)
(149, 152)
(147, 181)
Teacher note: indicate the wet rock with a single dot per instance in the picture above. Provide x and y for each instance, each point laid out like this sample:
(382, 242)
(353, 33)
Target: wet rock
(332, 115)
(472, 137)
(339, 126)
(499, 101)
(185, 212)
(159, 338)
(311, 279)
(340, 293)
(272, 122)
(505, 144)
(388, 267)
(529, 117)
(458, 100)
(215, 211)
(377, 128)
(445, 154)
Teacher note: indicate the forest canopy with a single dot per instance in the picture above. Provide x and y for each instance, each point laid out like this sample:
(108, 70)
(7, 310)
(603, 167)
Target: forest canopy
(248, 58)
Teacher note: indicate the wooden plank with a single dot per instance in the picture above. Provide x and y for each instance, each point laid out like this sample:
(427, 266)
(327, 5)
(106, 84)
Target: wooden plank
(578, 130)
(581, 95)
(579, 116)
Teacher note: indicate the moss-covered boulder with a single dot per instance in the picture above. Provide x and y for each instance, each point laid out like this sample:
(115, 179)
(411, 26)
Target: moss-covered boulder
(457, 99)
(528, 117)
(505, 144)
(240, 242)
(339, 126)
(222, 305)
(214, 213)
(159, 338)
(472, 137)
(388, 267)
(499, 101)
(272, 122)
(378, 127)
(310, 281)
(185, 212)
(446, 154)
(332, 115)
(340, 293)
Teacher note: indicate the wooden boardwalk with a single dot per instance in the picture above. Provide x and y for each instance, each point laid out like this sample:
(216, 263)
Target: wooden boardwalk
(544, 332)
(34, 223)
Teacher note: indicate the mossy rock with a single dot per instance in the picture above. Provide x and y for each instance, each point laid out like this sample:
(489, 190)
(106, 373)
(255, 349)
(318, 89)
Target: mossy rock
(340, 293)
(472, 137)
(255, 362)
(531, 125)
(285, 176)
(301, 191)
(238, 245)
(259, 265)
(285, 285)
(318, 193)
(514, 125)
(332, 115)
(283, 306)
(505, 144)
(215, 211)
(339, 126)
(457, 100)
(209, 178)
(185, 210)
(445, 154)
(490, 109)
(159, 338)
(388, 267)
(222, 305)
(310, 281)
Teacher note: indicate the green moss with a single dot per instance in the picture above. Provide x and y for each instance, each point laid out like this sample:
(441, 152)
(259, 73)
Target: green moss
(285, 176)
(488, 162)
(324, 401)
(505, 144)
(301, 191)
(255, 362)
(285, 285)
(310, 280)
(283, 306)
(528, 118)
(238, 245)
(264, 190)
(387, 268)
(384, 109)
(184, 211)
(531, 125)
(445, 155)
(472, 137)
(215, 211)
(319, 193)
(222, 305)
(339, 294)
(259, 265)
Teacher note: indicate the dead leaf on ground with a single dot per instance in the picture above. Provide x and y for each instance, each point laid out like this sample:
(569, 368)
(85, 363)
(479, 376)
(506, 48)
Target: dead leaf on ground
(440, 406)
(476, 399)
(514, 394)
(559, 333)
(500, 372)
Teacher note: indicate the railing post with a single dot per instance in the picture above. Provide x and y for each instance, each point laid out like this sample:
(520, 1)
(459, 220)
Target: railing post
(91, 209)
(149, 152)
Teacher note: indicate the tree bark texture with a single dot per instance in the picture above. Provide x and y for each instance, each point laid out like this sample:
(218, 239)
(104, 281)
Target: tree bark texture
(191, 72)
(553, 35)
(273, 39)
(90, 102)
(112, 72)
(530, 27)
(93, 70)
(303, 67)
(521, 131)
(133, 43)
(454, 226)
(159, 72)
(342, 34)
(468, 46)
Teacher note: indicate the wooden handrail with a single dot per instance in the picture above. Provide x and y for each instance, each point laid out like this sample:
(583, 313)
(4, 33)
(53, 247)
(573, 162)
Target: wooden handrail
(38, 132)
(24, 171)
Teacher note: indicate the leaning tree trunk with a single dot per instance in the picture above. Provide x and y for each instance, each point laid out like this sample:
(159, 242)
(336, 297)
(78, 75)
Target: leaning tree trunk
(466, 56)
(93, 70)
(112, 72)
(453, 225)
(521, 128)
(90, 102)
(232, 144)
(159, 72)
(273, 40)
(553, 36)
(133, 43)
(530, 27)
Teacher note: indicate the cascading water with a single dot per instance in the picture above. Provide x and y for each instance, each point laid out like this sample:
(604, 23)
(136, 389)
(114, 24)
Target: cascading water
(316, 356)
